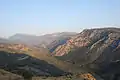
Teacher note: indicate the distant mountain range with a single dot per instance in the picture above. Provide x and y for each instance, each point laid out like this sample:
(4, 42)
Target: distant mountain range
(50, 41)
(35, 40)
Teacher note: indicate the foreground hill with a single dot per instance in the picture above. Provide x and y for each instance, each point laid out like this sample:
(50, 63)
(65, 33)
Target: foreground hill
(26, 61)
(97, 49)
(5, 75)
(27, 66)
(31, 63)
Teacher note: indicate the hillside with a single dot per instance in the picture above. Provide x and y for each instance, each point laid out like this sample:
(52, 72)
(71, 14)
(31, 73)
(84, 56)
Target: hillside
(91, 54)
(53, 45)
(29, 63)
(33, 52)
(5, 75)
(40, 40)
(97, 49)
(27, 66)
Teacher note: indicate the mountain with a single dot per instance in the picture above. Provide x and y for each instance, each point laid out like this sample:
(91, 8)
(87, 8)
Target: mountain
(31, 62)
(20, 62)
(91, 54)
(97, 49)
(53, 45)
(26, 39)
(7, 41)
(40, 40)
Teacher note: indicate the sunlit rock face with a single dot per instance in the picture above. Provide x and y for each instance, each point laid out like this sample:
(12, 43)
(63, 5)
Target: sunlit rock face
(86, 38)
(97, 48)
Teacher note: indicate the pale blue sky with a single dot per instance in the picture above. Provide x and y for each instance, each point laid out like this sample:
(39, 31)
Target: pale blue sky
(48, 16)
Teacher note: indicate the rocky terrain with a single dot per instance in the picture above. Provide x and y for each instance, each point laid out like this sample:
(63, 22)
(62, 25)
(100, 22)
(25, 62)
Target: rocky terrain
(92, 54)
(97, 49)
(53, 45)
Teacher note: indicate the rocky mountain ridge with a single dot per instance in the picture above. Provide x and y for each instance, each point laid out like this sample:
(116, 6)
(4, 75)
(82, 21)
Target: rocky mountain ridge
(86, 39)
(97, 49)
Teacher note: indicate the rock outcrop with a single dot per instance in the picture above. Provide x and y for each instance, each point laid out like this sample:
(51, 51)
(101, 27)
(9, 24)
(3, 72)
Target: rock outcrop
(94, 48)
(86, 38)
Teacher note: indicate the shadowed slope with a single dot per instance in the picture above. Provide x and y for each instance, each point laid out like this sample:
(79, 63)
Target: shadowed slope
(27, 66)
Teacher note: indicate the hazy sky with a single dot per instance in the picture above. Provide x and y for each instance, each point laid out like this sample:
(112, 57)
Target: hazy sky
(49, 16)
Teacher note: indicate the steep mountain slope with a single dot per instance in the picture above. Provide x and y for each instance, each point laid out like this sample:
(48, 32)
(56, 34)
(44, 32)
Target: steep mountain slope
(53, 45)
(94, 48)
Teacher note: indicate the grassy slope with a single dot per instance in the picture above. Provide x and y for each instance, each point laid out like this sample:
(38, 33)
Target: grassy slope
(50, 59)
(65, 66)
(58, 63)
